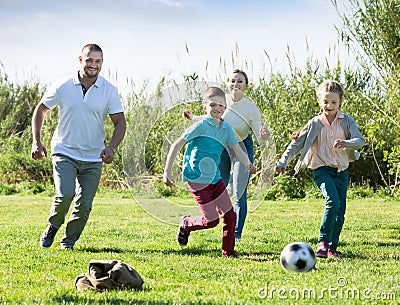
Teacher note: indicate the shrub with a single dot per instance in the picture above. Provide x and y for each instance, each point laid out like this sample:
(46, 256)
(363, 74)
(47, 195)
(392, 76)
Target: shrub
(285, 187)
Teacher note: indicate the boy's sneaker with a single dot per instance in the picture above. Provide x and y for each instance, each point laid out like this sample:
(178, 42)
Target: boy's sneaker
(322, 250)
(234, 254)
(183, 235)
(47, 238)
(333, 253)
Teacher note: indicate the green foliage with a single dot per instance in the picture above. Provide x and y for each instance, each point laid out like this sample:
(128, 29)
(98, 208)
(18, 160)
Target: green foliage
(7, 189)
(285, 187)
(120, 229)
(20, 167)
(373, 25)
(371, 29)
(26, 188)
(287, 101)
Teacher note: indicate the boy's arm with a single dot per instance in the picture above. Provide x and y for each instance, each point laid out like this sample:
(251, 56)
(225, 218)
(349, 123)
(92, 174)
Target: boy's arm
(243, 158)
(173, 151)
(187, 114)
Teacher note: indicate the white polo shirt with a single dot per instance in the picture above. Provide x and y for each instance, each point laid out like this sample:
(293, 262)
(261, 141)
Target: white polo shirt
(80, 131)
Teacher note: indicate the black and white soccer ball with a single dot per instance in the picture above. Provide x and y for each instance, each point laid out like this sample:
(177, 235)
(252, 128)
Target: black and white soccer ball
(298, 257)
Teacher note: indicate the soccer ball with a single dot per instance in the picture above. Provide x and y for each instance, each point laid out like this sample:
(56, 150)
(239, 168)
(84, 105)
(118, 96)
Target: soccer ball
(298, 257)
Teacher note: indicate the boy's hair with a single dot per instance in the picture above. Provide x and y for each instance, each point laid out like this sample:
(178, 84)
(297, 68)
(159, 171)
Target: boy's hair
(91, 47)
(330, 86)
(213, 92)
(241, 72)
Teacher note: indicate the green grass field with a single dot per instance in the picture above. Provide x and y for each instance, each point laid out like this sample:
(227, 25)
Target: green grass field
(120, 229)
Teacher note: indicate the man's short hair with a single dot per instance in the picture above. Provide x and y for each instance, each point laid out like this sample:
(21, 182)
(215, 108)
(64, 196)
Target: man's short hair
(91, 47)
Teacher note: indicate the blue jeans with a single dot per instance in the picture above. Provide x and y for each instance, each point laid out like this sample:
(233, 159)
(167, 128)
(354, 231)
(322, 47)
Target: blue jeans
(240, 181)
(333, 186)
(77, 180)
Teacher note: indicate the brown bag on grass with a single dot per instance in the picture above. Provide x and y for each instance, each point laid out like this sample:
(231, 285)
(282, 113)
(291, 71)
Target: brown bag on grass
(109, 275)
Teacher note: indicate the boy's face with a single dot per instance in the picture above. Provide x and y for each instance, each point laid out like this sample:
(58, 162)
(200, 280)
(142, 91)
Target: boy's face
(215, 107)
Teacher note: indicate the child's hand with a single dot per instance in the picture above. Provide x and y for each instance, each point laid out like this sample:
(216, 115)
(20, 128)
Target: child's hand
(187, 114)
(339, 143)
(264, 133)
(280, 169)
(168, 181)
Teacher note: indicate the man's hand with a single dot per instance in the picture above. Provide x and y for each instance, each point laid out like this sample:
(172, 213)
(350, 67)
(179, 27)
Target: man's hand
(38, 150)
(107, 155)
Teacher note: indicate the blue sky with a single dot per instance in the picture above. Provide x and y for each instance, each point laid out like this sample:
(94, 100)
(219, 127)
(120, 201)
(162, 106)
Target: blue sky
(147, 39)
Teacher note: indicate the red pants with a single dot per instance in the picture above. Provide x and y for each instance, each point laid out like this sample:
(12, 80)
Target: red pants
(213, 200)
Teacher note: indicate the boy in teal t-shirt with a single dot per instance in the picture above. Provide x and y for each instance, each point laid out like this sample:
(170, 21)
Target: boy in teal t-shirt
(205, 143)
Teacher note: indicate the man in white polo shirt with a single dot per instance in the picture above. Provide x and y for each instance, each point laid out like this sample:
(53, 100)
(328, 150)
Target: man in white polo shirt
(77, 148)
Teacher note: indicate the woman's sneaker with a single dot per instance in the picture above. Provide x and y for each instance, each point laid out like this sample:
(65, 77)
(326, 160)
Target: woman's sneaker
(183, 235)
(322, 249)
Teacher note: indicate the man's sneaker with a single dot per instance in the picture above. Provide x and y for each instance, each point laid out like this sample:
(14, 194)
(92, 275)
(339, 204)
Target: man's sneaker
(183, 235)
(333, 253)
(322, 250)
(47, 238)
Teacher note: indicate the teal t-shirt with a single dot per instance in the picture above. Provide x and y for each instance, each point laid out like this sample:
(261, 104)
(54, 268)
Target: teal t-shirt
(206, 141)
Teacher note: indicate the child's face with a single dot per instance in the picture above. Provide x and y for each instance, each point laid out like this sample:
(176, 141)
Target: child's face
(215, 107)
(329, 103)
(238, 81)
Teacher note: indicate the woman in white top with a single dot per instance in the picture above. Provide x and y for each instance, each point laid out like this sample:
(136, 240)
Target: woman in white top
(244, 117)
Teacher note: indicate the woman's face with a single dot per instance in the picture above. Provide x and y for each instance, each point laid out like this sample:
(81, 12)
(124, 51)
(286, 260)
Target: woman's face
(237, 81)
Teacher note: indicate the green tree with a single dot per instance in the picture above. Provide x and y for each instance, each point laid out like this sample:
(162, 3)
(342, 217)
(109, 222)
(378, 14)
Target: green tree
(371, 29)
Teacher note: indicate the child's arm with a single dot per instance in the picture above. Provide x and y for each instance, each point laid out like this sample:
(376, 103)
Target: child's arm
(354, 139)
(173, 151)
(243, 158)
(187, 114)
(293, 149)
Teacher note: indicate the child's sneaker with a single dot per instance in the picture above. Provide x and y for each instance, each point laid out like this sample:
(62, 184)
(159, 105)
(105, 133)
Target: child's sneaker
(333, 253)
(183, 235)
(233, 254)
(322, 249)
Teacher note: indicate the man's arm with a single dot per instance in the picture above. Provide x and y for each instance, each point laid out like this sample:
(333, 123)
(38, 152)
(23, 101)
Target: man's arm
(38, 149)
(119, 121)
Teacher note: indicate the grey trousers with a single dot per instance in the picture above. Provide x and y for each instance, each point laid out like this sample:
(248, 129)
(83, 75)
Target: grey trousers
(78, 181)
